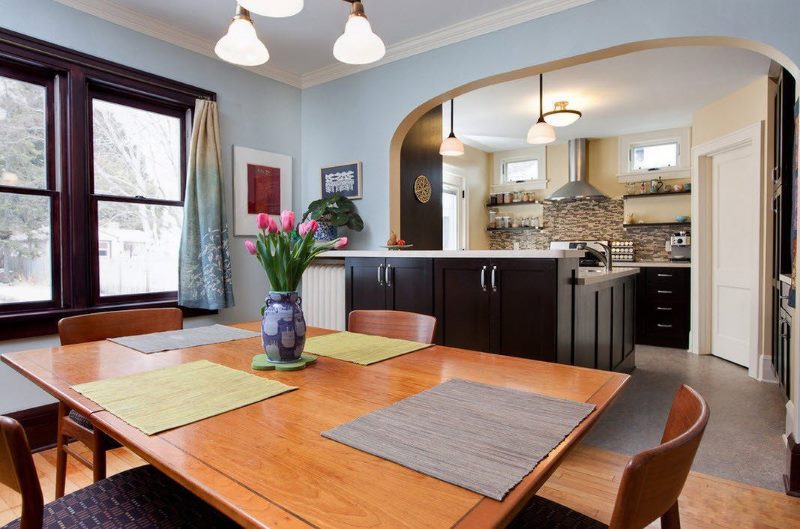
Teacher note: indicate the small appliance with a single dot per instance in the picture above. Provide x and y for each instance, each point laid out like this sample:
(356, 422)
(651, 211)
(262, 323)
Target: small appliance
(588, 260)
(680, 246)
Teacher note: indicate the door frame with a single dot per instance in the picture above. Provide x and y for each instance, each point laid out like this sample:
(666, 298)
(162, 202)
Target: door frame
(454, 176)
(701, 327)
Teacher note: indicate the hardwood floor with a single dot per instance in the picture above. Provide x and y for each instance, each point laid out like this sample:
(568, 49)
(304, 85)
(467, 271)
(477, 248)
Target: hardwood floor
(587, 482)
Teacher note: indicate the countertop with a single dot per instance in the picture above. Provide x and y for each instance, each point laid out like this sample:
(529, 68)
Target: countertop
(464, 254)
(660, 264)
(592, 276)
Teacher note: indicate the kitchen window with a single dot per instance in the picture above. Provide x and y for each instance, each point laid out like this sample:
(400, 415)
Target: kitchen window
(663, 154)
(92, 164)
(654, 156)
(519, 171)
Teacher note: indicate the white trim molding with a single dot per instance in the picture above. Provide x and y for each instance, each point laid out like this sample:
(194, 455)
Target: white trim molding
(766, 372)
(467, 29)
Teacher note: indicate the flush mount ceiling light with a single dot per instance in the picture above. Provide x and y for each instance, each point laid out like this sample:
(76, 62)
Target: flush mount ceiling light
(561, 116)
(541, 132)
(273, 8)
(240, 45)
(358, 44)
(451, 146)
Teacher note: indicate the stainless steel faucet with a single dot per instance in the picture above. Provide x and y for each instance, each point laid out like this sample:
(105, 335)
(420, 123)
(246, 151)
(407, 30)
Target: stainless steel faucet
(605, 256)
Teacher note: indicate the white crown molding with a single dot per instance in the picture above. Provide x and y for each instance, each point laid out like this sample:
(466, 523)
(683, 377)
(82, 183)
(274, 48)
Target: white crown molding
(474, 27)
(481, 25)
(153, 27)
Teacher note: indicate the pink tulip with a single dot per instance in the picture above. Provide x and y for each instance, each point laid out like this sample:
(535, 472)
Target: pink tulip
(341, 242)
(272, 226)
(251, 247)
(308, 227)
(262, 221)
(287, 220)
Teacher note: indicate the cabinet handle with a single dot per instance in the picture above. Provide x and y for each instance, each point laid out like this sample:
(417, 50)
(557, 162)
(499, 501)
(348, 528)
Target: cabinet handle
(664, 275)
(664, 291)
(664, 326)
(483, 278)
(380, 275)
(663, 308)
(494, 279)
(388, 275)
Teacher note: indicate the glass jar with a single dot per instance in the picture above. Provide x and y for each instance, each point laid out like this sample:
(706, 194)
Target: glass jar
(492, 218)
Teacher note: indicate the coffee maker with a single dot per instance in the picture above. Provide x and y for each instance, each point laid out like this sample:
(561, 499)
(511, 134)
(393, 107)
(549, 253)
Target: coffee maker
(680, 246)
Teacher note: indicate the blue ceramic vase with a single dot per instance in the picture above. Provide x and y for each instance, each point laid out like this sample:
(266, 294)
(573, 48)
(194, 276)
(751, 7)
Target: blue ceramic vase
(283, 327)
(326, 232)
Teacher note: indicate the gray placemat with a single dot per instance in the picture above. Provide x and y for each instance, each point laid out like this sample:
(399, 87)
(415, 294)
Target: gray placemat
(480, 437)
(168, 340)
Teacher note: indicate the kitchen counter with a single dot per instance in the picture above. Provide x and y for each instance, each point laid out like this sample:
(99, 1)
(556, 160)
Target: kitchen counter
(657, 264)
(591, 276)
(463, 254)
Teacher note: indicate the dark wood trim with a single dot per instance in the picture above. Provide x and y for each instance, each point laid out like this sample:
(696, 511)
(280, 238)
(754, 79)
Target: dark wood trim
(791, 480)
(40, 425)
(688, 225)
(648, 195)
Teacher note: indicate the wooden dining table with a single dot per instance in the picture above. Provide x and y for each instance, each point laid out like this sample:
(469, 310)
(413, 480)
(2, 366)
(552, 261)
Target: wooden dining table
(267, 466)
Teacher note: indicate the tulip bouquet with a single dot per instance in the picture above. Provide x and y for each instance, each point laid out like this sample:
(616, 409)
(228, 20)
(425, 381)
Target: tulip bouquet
(285, 251)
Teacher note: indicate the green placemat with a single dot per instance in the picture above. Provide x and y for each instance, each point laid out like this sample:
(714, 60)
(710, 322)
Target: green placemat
(175, 396)
(360, 348)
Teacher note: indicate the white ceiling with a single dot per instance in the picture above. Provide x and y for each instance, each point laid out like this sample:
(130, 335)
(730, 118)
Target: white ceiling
(301, 46)
(638, 92)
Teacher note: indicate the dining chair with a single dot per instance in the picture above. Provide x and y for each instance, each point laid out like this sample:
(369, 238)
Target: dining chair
(71, 424)
(138, 498)
(651, 481)
(393, 324)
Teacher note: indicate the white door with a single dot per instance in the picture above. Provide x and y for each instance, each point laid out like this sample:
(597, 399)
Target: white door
(454, 216)
(735, 251)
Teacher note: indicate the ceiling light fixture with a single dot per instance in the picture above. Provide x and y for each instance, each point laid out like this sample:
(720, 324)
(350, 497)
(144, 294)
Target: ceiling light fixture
(273, 8)
(240, 45)
(561, 116)
(541, 132)
(358, 44)
(451, 146)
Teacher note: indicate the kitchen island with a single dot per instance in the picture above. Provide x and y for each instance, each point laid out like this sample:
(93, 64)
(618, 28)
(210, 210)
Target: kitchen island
(533, 304)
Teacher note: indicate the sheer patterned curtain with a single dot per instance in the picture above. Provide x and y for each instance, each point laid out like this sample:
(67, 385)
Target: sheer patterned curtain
(205, 263)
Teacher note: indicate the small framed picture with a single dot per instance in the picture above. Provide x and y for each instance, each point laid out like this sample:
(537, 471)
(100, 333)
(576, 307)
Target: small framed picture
(262, 183)
(344, 179)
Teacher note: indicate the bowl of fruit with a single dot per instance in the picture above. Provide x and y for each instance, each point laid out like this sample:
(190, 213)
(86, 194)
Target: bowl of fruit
(396, 244)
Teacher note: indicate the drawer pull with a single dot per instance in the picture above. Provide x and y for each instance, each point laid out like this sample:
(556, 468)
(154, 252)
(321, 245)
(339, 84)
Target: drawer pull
(664, 326)
(663, 308)
(664, 291)
(664, 275)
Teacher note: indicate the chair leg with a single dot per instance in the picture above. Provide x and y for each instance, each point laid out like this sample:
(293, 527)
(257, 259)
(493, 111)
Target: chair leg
(61, 453)
(671, 519)
(99, 456)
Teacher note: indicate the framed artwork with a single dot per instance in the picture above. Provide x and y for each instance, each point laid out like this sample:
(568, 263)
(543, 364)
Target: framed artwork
(344, 179)
(262, 183)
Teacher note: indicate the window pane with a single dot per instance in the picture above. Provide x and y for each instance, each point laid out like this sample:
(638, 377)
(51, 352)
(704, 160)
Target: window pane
(22, 134)
(136, 152)
(646, 157)
(138, 248)
(25, 261)
(522, 171)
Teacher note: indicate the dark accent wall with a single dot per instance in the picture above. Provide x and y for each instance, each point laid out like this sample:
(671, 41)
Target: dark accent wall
(421, 224)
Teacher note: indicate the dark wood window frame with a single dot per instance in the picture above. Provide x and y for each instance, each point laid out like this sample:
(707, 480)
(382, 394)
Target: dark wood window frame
(72, 79)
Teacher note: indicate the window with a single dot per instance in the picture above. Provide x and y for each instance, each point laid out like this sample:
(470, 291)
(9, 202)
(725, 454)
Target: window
(655, 156)
(662, 154)
(92, 165)
(519, 171)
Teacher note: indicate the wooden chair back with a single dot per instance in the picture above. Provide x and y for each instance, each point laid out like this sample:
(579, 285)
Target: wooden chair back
(18, 472)
(393, 324)
(102, 325)
(653, 479)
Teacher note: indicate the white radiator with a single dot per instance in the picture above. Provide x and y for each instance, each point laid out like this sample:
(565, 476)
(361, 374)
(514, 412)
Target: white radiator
(323, 294)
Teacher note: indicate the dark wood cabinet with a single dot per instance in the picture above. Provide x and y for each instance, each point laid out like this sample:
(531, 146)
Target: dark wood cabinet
(663, 307)
(463, 305)
(374, 283)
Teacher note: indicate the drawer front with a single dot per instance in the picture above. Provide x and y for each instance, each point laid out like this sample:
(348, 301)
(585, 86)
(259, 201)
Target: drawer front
(675, 278)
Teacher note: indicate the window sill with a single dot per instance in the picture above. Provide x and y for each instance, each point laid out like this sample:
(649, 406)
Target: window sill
(45, 321)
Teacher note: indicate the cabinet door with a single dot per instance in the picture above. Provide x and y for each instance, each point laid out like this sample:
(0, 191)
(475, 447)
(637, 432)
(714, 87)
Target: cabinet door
(409, 285)
(364, 283)
(630, 286)
(524, 305)
(462, 303)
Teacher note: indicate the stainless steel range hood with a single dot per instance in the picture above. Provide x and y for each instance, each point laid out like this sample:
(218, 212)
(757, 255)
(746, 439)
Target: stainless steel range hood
(577, 188)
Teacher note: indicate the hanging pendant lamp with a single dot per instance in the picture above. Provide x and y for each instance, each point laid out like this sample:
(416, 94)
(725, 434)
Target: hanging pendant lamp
(358, 44)
(273, 8)
(541, 132)
(240, 45)
(561, 116)
(451, 146)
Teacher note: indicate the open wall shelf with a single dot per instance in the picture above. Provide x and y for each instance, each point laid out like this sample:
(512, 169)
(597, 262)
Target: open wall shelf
(532, 203)
(658, 224)
(652, 195)
(514, 229)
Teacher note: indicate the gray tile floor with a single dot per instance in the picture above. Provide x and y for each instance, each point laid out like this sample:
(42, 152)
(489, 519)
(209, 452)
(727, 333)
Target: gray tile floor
(743, 439)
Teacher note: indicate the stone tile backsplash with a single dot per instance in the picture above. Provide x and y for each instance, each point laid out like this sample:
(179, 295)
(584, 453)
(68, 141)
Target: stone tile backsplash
(587, 220)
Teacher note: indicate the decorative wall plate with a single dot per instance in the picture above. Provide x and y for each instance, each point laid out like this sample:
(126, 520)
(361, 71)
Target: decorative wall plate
(422, 189)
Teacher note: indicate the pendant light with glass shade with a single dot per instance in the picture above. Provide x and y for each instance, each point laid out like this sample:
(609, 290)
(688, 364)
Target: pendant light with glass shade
(451, 146)
(358, 44)
(561, 116)
(541, 132)
(273, 8)
(240, 45)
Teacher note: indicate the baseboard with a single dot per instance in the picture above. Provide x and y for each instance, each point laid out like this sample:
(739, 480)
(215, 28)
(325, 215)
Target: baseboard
(40, 424)
(766, 371)
(791, 480)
